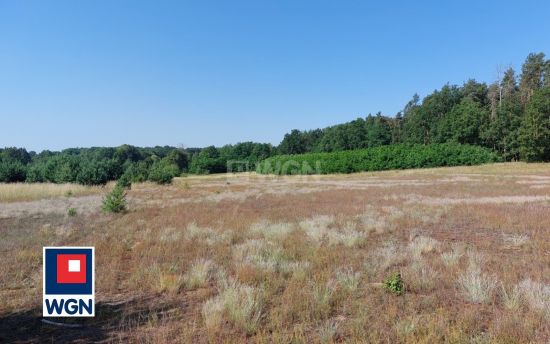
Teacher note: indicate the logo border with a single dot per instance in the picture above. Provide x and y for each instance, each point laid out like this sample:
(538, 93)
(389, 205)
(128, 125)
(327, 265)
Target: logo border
(44, 248)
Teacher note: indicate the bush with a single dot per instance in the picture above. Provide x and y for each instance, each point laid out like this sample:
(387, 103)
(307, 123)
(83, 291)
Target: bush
(208, 161)
(12, 171)
(71, 212)
(115, 201)
(163, 171)
(378, 158)
(36, 173)
(93, 173)
(138, 172)
(394, 284)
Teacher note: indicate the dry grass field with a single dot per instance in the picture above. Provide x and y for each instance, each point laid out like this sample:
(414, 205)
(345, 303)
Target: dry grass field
(263, 259)
(18, 192)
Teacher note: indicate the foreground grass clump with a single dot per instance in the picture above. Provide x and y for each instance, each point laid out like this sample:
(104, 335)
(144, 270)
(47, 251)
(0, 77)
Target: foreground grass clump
(537, 295)
(199, 274)
(476, 286)
(239, 304)
(379, 158)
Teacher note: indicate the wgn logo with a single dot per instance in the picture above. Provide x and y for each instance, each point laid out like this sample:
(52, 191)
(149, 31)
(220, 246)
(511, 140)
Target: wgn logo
(68, 289)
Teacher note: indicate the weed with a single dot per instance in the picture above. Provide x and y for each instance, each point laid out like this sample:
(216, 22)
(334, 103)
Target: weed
(394, 284)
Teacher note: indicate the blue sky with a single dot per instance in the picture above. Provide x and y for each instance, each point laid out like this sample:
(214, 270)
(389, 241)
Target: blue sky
(104, 73)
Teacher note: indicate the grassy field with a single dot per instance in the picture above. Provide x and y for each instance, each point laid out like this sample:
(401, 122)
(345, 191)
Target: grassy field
(262, 259)
(17, 192)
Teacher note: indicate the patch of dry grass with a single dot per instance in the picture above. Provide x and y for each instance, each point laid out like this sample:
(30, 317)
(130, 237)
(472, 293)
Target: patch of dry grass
(537, 295)
(200, 273)
(476, 286)
(239, 304)
(22, 192)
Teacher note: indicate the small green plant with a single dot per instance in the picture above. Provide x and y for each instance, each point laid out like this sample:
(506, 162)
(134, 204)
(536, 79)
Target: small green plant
(71, 212)
(394, 284)
(115, 201)
(68, 193)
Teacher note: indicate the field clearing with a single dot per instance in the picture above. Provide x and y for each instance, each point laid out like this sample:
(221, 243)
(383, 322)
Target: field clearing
(254, 258)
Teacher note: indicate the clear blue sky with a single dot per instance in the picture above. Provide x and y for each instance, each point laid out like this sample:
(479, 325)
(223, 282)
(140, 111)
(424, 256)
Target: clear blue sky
(103, 73)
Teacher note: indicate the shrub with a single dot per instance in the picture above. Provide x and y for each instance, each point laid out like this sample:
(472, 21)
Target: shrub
(163, 171)
(378, 158)
(93, 173)
(36, 173)
(71, 212)
(138, 172)
(115, 201)
(394, 284)
(12, 171)
(208, 161)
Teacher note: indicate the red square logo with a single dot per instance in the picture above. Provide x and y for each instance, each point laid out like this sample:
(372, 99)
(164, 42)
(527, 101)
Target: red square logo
(71, 268)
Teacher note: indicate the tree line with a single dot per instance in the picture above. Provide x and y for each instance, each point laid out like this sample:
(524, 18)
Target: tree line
(389, 157)
(98, 165)
(510, 116)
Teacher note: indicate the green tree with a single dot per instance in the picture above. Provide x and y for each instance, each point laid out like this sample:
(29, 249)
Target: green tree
(501, 132)
(535, 129)
(115, 201)
(531, 75)
(293, 143)
(463, 123)
(12, 171)
(208, 161)
(93, 173)
(163, 171)
(179, 158)
(378, 131)
(421, 122)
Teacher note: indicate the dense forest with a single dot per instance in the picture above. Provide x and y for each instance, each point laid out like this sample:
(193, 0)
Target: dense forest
(510, 116)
